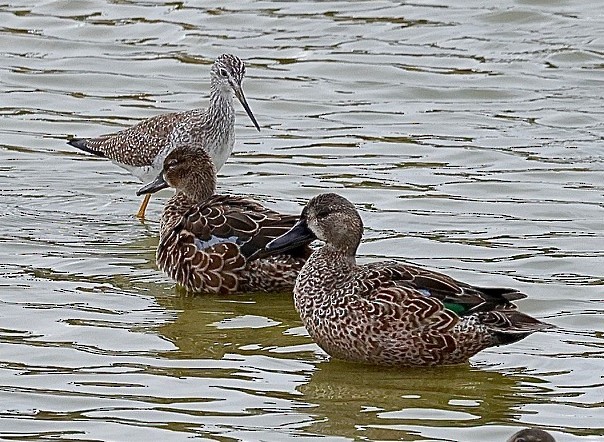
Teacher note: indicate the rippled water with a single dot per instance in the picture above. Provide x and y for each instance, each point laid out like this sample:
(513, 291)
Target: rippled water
(468, 133)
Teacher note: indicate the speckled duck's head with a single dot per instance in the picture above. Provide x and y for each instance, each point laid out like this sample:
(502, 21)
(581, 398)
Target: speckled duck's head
(187, 170)
(227, 75)
(330, 218)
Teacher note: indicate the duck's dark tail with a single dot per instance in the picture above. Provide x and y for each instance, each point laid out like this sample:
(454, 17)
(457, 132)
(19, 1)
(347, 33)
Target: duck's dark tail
(510, 325)
(506, 294)
(82, 144)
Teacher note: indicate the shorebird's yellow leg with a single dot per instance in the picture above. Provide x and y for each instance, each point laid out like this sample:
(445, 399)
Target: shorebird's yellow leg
(143, 207)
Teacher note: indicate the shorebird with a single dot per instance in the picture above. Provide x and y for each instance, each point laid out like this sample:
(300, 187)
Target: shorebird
(391, 313)
(211, 243)
(142, 148)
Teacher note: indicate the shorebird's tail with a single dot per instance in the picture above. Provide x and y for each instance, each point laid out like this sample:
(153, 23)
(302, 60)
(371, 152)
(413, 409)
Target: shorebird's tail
(82, 144)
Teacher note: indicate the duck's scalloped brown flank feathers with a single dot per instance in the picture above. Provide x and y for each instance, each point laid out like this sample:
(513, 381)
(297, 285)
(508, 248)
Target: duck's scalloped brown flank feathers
(207, 249)
(392, 313)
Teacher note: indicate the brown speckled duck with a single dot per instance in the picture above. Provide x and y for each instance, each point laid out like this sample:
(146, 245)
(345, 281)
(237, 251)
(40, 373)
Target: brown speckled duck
(391, 313)
(210, 243)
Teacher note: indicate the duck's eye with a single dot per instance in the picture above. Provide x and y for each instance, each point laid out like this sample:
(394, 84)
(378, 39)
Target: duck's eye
(323, 213)
(171, 164)
(223, 72)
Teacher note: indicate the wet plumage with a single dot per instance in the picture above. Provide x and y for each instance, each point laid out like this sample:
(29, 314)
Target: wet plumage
(391, 313)
(210, 243)
(142, 148)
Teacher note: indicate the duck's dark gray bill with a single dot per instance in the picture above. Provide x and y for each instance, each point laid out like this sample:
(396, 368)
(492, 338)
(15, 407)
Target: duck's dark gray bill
(157, 184)
(298, 235)
(241, 98)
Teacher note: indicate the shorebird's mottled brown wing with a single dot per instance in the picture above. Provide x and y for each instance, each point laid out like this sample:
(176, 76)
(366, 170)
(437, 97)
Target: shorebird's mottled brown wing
(138, 145)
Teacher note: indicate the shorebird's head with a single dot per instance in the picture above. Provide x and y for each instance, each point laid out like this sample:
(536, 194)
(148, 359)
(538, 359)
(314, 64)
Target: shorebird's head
(227, 73)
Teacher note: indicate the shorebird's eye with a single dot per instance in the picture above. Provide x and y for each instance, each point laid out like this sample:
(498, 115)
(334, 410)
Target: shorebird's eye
(223, 72)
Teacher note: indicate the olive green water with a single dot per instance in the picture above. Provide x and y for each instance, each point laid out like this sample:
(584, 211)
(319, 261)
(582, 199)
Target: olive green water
(469, 134)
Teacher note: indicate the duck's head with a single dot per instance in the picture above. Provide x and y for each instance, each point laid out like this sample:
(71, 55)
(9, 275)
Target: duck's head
(328, 217)
(227, 74)
(187, 170)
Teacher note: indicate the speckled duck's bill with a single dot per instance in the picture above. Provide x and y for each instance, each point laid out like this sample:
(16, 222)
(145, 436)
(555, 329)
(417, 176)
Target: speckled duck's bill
(157, 184)
(298, 235)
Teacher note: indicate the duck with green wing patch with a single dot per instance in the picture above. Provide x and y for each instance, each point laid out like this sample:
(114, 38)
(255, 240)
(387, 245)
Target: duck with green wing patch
(391, 313)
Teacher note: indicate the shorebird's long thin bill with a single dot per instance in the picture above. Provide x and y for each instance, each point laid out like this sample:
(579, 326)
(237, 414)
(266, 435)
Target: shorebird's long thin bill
(241, 98)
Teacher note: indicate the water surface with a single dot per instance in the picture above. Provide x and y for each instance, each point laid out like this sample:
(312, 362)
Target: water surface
(469, 135)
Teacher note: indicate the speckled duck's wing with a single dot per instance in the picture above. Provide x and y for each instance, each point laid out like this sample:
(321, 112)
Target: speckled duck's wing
(138, 145)
(401, 313)
(458, 296)
(394, 303)
(227, 218)
(425, 310)
(207, 250)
